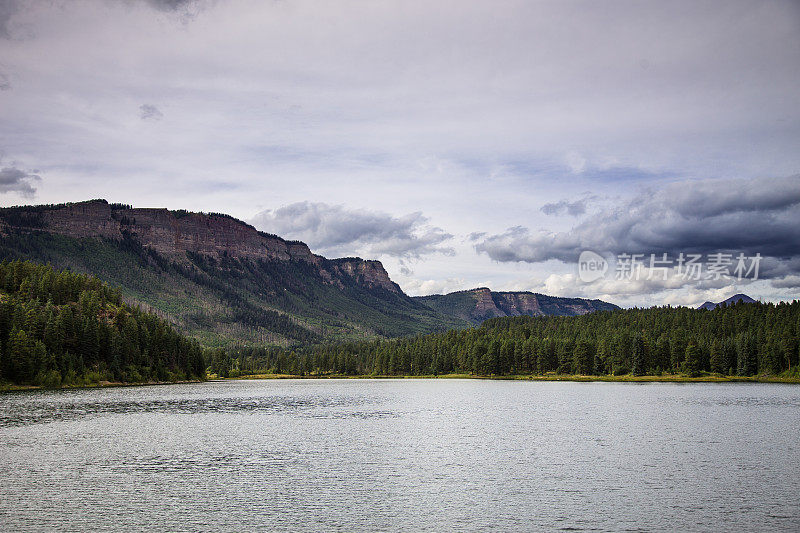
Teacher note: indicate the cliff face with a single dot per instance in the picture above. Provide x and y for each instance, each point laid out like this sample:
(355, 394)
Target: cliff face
(173, 234)
(368, 273)
(477, 305)
(485, 305)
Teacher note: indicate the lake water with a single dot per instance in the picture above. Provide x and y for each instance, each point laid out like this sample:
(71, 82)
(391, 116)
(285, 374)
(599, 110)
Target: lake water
(416, 455)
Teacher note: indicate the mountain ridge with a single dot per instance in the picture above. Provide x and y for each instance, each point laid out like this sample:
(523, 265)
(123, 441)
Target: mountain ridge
(218, 278)
(479, 304)
(174, 233)
(224, 282)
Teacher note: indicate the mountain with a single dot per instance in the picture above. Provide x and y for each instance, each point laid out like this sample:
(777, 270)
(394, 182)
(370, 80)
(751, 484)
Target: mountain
(733, 299)
(216, 278)
(477, 305)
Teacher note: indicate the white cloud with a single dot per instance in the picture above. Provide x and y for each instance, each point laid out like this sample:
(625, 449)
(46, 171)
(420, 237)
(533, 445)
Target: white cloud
(336, 230)
(417, 287)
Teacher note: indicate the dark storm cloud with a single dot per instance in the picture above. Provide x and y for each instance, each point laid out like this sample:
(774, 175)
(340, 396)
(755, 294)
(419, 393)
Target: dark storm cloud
(787, 282)
(13, 179)
(150, 112)
(336, 229)
(186, 10)
(749, 216)
(8, 8)
(171, 5)
(576, 208)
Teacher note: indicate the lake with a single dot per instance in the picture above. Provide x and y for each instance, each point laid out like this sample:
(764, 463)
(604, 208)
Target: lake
(415, 455)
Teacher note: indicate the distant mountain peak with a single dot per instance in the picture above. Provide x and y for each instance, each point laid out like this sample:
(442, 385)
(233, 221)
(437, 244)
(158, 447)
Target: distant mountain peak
(479, 304)
(736, 298)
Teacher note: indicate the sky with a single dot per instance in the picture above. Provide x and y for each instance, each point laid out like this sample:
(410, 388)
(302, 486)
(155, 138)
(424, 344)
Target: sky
(462, 143)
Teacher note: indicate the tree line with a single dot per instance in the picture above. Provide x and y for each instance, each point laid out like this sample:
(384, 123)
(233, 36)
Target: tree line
(743, 339)
(61, 328)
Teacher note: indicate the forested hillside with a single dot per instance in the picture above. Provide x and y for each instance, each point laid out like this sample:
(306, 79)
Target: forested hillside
(60, 328)
(743, 339)
(216, 278)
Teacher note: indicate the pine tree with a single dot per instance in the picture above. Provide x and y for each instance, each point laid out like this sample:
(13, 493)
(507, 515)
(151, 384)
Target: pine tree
(638, 357)
(583, 358)
(692, 360)
(717, 357)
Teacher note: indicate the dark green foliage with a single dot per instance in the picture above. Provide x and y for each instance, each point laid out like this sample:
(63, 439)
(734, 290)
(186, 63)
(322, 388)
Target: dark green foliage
(693, 359)
(638, 357)
(64, 328)
(716, 359)
(584, 357)
(746, 338)
(746, 354)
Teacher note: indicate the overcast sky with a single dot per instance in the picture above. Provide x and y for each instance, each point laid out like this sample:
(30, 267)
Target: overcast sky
(462, 143)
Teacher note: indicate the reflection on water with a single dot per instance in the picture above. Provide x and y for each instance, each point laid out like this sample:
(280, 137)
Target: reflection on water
(418, 455)
(55, 407)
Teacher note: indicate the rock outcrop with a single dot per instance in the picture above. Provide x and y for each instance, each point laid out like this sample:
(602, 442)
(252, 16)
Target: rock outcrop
(173, 234)
(479, 304)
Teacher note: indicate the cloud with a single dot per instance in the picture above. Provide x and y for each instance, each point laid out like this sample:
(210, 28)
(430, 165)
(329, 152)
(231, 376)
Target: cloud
(150, 112)
(417, 287)
(336, 230)
(16, 180)
(5, 85)
(786, 282)
(519, 244)
(171, 5)
(576, 208)
(8, 8)
(748, 216)
(186, 10)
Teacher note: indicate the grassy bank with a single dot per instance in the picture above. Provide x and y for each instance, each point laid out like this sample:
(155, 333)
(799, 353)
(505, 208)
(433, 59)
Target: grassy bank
(671, 378)
(667, 378)
(9, 387)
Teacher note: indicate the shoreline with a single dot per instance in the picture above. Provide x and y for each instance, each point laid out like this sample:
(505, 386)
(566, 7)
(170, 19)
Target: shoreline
(8, 387)
(670, 378)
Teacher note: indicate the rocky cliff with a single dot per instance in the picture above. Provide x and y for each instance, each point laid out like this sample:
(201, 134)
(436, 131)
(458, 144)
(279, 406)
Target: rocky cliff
(479, 304)
(173, 234)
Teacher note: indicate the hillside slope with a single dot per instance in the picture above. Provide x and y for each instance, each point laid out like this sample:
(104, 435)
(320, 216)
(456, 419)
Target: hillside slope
(61, 328)
(477, 305)
(216, 278)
